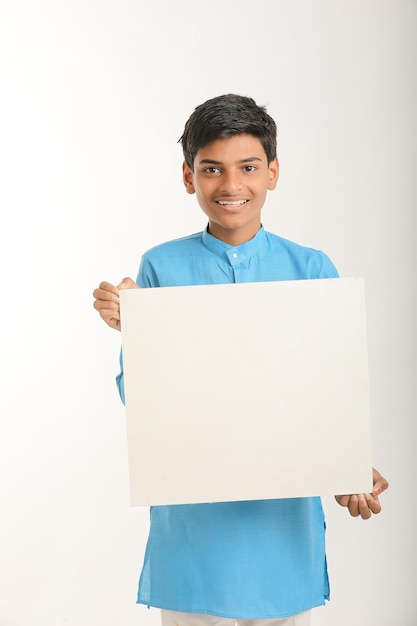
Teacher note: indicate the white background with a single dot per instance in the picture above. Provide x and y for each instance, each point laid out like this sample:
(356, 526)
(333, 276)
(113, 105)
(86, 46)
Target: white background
(94, 96)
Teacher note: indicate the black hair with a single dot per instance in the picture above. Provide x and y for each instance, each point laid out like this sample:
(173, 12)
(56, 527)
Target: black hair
(225, 116)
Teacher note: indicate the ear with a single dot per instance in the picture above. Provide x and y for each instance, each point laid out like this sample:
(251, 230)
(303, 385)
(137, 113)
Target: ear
(188, 177)
(273, 174)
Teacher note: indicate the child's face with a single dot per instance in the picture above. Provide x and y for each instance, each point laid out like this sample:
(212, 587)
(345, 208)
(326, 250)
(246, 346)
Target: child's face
(231, 178)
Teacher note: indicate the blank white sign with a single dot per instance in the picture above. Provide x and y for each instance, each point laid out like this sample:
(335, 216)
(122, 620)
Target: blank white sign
(246, 391)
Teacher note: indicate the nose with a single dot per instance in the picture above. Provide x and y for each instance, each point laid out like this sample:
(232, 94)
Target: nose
(231, 182)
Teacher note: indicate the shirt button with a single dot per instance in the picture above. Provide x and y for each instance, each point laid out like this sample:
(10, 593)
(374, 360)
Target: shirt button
(234, 255)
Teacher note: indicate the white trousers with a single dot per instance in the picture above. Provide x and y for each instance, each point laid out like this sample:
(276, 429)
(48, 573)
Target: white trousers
(174, 618)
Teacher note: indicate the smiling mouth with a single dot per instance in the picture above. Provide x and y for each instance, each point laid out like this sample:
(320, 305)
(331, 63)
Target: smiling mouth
(229, 203)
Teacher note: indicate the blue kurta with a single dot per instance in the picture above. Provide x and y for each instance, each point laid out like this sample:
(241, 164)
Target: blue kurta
(243, 560)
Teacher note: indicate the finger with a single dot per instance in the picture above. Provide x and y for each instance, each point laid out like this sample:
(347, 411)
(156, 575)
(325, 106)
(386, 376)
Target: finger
(107, 296)
(363, 507)
(106, 286)
(373, 503)
(127, 283)
(112, 318)
(110, 311)
(106, 305)
(110, 314)
(113, 323)
(342, 500)
(353, 506)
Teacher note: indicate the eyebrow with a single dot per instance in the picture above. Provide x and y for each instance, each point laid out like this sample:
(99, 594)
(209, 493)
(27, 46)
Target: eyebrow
(213, 162)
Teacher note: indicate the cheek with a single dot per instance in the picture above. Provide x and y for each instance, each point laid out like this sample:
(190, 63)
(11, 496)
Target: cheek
(203, 192)
(202, 198)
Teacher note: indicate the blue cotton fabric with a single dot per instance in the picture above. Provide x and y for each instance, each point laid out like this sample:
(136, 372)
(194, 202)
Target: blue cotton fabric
(243, 560)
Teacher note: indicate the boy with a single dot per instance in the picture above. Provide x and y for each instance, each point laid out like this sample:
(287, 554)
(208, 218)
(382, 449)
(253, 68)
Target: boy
(259, 562)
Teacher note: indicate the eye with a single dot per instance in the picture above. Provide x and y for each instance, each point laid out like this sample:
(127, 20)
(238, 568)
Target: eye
(211, 170)
(249, 168)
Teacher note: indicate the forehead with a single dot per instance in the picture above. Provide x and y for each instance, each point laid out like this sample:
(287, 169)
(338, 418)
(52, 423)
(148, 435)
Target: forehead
(232, 149)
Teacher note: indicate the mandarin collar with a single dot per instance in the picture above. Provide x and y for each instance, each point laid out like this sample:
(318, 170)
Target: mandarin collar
(234, 254)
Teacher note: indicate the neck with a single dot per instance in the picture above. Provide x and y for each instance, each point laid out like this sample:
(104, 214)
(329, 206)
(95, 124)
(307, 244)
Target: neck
(231, 237)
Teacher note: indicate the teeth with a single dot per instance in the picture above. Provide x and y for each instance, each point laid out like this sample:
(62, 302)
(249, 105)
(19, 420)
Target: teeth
(236, 203)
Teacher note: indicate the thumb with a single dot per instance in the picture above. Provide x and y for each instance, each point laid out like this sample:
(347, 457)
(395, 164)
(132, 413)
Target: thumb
(127, 283)
(380, 483)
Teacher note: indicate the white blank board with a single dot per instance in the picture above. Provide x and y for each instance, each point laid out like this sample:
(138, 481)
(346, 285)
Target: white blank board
(246, 391)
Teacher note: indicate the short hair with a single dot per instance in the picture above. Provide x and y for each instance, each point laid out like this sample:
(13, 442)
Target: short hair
(223, 117)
